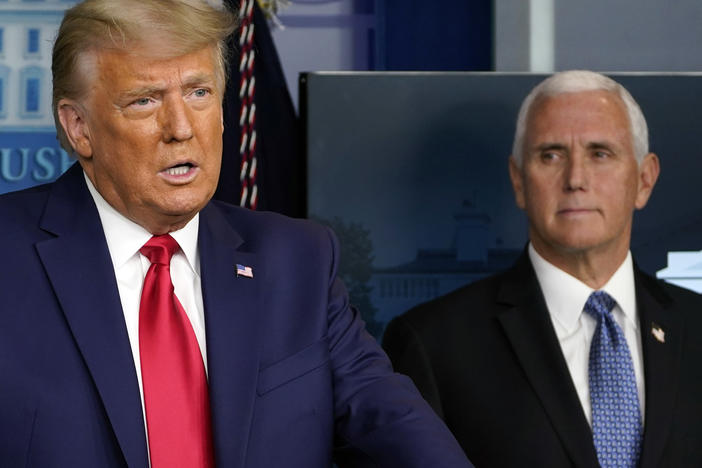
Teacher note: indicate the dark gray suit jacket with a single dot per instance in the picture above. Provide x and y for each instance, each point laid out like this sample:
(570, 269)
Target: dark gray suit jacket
(487, 358)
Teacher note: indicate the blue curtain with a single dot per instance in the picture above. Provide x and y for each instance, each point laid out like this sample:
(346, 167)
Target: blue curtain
(441, 35)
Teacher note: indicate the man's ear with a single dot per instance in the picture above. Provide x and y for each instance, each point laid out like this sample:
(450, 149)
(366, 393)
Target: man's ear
(72, 117)
(515, 175)
(648, 175)
(221, 118)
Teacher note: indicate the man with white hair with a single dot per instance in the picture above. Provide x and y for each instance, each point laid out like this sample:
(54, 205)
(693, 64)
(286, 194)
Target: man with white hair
(574, 356)
(144, 325)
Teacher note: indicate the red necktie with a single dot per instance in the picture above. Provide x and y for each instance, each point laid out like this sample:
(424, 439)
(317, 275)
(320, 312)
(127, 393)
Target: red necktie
(173, 375)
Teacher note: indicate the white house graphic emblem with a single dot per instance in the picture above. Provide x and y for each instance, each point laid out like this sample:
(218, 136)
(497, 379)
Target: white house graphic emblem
(684, 270)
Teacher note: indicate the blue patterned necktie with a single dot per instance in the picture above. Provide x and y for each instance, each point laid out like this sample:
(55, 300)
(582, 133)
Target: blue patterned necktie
(616, 419)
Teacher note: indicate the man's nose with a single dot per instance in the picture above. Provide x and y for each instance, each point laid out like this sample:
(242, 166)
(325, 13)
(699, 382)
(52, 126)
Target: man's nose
(176, 120)
(576, 172)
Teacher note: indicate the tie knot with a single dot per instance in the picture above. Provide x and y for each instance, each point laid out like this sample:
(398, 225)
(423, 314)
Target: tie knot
(160, 249)
(599, 304)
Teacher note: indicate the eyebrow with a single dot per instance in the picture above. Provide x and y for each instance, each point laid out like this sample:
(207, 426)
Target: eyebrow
(141, 91)
(188, 82)
(548, 146)
(199, 78)
(600, 145)
(593, 145)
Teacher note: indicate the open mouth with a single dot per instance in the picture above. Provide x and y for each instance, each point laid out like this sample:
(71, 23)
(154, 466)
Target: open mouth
(179, 170)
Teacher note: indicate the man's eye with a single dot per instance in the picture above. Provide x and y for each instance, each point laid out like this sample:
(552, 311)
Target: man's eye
(142, 102)
(549, 156)
(201, 92)
(601, 154)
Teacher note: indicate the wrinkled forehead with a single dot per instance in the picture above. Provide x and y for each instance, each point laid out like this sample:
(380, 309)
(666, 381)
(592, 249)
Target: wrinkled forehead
(100, 63)
(598, 118)
(610, 99)
(576, 107)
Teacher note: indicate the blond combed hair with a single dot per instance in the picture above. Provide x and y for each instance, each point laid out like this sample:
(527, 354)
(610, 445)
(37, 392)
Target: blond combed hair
(170, 27)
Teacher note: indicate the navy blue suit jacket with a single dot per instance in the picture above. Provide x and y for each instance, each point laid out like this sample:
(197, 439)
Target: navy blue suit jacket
(294, 378)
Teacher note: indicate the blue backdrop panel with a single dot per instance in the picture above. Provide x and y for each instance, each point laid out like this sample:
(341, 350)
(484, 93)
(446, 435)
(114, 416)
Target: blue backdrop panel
(436, 35)
(30, 158)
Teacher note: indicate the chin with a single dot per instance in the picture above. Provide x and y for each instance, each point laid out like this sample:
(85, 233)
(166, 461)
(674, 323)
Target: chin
(183, 210)
(177, 215)
(579, 245)
(186, 202)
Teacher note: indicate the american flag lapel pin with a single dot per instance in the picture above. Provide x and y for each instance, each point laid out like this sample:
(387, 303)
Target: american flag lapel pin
(243, 270)
(657, 332)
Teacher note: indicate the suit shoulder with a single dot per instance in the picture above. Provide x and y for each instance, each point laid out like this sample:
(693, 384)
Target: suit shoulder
(665, 292)
(21, 210)
(262, 219)
(25, 197)
(476, 299)
(673, 298)
(266, 228)
(681, 294)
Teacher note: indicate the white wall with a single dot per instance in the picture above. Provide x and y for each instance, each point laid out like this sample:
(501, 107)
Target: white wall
(320, 35)
(605, 35)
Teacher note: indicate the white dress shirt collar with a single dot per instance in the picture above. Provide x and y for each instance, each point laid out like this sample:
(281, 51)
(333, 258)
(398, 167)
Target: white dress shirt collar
(565, 298)
(125, 237)
(566, 295)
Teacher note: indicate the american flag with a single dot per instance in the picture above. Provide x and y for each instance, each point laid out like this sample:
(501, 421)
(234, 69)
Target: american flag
(242, 270)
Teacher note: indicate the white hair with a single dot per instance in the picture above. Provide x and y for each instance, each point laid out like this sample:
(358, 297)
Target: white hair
(577, 81)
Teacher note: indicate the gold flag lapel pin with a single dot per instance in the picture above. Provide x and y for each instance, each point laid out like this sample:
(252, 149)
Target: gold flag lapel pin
(657, 332)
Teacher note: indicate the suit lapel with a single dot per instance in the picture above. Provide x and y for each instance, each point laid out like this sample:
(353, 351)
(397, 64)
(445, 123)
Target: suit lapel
(528, 327)
(79, 268)
(232, 314)
(661, 360)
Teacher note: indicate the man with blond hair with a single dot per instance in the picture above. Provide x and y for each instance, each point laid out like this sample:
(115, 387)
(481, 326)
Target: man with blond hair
(147, 325)
(574, 357)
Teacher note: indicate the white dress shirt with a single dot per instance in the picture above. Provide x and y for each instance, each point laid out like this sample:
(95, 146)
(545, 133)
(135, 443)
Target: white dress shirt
(566, 297)
(124, 239)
